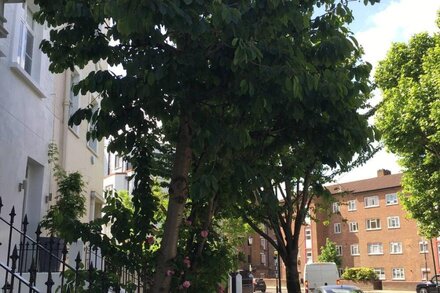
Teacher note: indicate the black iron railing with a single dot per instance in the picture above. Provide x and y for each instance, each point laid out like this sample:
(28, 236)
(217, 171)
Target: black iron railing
(42, 264)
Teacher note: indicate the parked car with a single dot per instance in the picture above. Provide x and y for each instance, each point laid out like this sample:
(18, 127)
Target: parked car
(338, 289)
(259, 285)
(429, 286)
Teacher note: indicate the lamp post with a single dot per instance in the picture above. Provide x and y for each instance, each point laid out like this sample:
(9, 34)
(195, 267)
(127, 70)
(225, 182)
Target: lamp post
(250, 241)
(276, 259)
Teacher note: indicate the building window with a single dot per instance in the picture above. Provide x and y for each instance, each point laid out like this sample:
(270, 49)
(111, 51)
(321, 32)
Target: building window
(425, 273)
(391, 198)
(308, 234)
(118, 162)
(371, 201)
(338, 250)
(74, 100)
(396, 247)
(26, 42)
(354, 249)
(92, 143)
(337, 228)
(263, 258)
(375, 248)
(423, 246)
(398, 273)
(353, 227)
(309, 258)
(393, 222)
(380, 272)
(373, 224)
(351, 205)
(336, 207)
(263, 243)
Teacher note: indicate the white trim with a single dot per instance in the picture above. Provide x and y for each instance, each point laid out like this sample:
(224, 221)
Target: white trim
(33, 85)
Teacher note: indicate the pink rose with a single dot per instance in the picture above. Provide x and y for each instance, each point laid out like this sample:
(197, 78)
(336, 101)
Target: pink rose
(170, 273)
(186, 284)
(187, 262)
(150, 240)
(204, 233)
(220, 289)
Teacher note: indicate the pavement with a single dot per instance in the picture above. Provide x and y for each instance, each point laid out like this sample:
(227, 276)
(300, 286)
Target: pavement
(270, 289)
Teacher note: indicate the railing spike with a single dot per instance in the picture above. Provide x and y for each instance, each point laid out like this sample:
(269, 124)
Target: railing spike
(12, 214)
(77, 261)
(1, 204)
(14, 257)
(25, 220)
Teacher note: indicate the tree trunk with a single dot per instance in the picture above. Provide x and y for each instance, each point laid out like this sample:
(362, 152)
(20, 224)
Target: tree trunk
(178, 193)
(292, 276)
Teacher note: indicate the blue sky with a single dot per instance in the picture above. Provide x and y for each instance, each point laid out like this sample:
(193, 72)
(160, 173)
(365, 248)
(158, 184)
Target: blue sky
(376, 27)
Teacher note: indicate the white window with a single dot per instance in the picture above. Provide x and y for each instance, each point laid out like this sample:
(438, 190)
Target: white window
(373, 224)
(354, 249)
(74, 100)
(395, 247)
(92, 143)
(26, 42)
(423, 246)
(391, 198)
(309, 258)
(118, 162)
(337, 228)
(351, 205)
(380, 272)
(375, 248)
(308, 234)
(393, 222)
(425, 273)
(336, 207)
(263, 258)
(398, 273)
(353, 227)
(338, 250)
(371, 201)
(263, 243)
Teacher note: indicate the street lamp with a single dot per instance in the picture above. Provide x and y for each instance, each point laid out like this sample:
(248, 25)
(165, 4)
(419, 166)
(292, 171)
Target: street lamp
(250, 241)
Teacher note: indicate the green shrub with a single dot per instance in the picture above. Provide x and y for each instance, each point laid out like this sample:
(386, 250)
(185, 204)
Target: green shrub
(359, 274)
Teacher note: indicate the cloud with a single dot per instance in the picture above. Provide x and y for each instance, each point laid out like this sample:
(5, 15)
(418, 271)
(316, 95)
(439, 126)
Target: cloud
(397, 22)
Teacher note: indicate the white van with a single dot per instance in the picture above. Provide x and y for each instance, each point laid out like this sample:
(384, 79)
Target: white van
(320, 274)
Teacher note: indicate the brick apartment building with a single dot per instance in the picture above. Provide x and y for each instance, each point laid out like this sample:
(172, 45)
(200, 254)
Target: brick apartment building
(371, 229)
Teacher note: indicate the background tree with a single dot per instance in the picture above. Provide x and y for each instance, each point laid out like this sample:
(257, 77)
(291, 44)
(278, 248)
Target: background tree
(214, 83)
(409, 120)
(329, 253)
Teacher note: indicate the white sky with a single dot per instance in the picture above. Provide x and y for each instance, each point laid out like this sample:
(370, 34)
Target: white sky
(375, 28)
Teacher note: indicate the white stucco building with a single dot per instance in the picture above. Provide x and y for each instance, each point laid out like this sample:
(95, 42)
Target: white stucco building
(35, 106)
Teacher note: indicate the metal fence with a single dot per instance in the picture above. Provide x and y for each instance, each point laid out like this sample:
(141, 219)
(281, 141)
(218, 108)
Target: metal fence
(46, 264)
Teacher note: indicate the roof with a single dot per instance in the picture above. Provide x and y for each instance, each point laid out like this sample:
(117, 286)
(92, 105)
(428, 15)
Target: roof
(376, 183)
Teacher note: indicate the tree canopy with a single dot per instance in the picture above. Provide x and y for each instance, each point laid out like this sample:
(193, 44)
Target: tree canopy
(237, 92)
(409, 120)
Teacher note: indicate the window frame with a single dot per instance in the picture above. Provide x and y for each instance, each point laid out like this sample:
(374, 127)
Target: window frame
(25, 54)
(402, 274)
(375, 244)
(373, 199)
(394, 202)
(337, 228)
(395, 244)
(351, 205)
(390, 220)
(352, 225)
(380, 272)
(368, 224)
(336, 207)
(354, 249)
(338, 250)
(423, 247)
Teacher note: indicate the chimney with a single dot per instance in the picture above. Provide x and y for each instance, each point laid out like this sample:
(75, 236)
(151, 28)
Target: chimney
(383, 172)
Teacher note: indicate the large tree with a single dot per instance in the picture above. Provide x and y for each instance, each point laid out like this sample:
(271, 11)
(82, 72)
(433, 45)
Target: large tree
(409, 119)
(219, 82)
